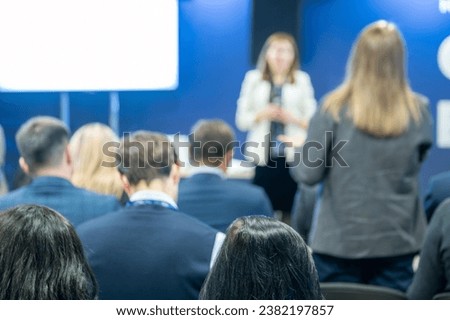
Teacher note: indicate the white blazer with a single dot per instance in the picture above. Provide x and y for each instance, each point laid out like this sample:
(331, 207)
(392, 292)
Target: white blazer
(298, 98)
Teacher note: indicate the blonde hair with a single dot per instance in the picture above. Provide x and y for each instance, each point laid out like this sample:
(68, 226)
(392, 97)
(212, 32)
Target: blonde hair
(86, 146)
(376, 90)
(263, 65)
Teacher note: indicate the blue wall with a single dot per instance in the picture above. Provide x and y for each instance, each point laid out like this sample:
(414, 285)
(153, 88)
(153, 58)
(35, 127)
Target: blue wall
(215, 54)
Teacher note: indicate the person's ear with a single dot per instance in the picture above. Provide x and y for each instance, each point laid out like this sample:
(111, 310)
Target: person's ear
(68, 155)
(228, 157)
(174, 175)
(126, 184)
(24, 166)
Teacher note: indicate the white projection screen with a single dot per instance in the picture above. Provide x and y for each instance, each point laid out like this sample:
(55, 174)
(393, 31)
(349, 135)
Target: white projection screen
(88, 45)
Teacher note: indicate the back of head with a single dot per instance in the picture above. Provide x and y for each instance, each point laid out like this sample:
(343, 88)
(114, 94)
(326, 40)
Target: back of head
(210, 141)
(263, 259)
(88, 154)
(42, 142)
(145, 156)
(376, 88)
(41, 257)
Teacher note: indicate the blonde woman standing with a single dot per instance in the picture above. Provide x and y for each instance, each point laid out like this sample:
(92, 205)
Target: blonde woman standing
(276, 103)
(374, 133)
(86, 146)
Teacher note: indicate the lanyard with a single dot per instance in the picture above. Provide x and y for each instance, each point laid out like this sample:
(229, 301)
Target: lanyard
(151, 203)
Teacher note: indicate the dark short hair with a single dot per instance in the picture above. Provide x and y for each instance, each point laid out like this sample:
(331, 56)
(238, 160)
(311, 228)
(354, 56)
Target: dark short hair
(41, 257)
(262, 259)
(145, 156)
(42, 141)
(210, 141)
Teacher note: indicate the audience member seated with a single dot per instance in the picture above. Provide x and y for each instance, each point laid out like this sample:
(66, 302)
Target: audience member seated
(262, 259)
(373, 134)
(41, 257)
(93, 166)
(208, 195)
(149, 249)
(438, 191)
(3, 184)
(45, 156)
(433, 274)
(20, 179)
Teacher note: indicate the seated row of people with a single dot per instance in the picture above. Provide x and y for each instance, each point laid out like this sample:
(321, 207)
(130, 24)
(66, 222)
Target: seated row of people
(148, 249)
(122, 246)
(41, 257)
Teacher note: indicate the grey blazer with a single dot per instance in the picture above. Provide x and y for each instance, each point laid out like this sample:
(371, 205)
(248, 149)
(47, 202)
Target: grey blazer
(369, 205)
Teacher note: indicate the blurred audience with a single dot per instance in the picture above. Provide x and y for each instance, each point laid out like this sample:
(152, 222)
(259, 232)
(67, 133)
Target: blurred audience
(89, 158)
(207, 194)
(374, 133)
(433, 274)
(149, 249)
(45, 156)
(41, 257)
(438, 191)
(262, 259)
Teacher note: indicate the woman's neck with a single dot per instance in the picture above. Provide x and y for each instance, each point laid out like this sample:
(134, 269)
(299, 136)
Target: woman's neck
(279, 79)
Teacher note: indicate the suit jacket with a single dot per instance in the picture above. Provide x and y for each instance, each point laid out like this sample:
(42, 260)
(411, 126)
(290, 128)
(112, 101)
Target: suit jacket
(297, 98)
(438, 191)
(433, 274)
(77, 205)
(217, 201)
(148, 252)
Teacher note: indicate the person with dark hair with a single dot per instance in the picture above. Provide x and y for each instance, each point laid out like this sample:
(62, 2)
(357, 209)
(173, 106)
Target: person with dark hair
(262, 259)
(275, 104)
(149, 249)
(433, 274)
(46, 158)
(41, 257)
(371, 137)
(207, 194)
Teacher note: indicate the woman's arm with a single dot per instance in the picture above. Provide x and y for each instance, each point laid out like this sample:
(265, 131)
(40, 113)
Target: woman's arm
(246, 114)
(311, 159)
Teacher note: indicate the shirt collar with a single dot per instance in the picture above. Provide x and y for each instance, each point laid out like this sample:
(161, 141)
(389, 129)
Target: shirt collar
(50, 180)
(153, 195)
(207, 170)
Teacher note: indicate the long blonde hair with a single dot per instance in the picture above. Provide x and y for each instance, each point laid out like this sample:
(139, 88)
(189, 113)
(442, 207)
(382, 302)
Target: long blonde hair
(262, 63)
(86, 148)
(376, 90)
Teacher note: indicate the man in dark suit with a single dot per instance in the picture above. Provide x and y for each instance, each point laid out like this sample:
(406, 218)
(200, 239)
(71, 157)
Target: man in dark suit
(149, 249)
(45, 156)
(438, 191)
(208, 195)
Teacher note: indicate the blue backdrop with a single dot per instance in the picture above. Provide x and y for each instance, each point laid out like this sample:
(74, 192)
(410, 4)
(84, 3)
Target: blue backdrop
(215, 40)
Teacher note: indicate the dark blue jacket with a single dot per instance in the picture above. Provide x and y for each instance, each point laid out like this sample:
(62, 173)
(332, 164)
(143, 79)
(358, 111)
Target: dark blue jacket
(438, 191)
(148, 252)
(218, 202)
(77, 205)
